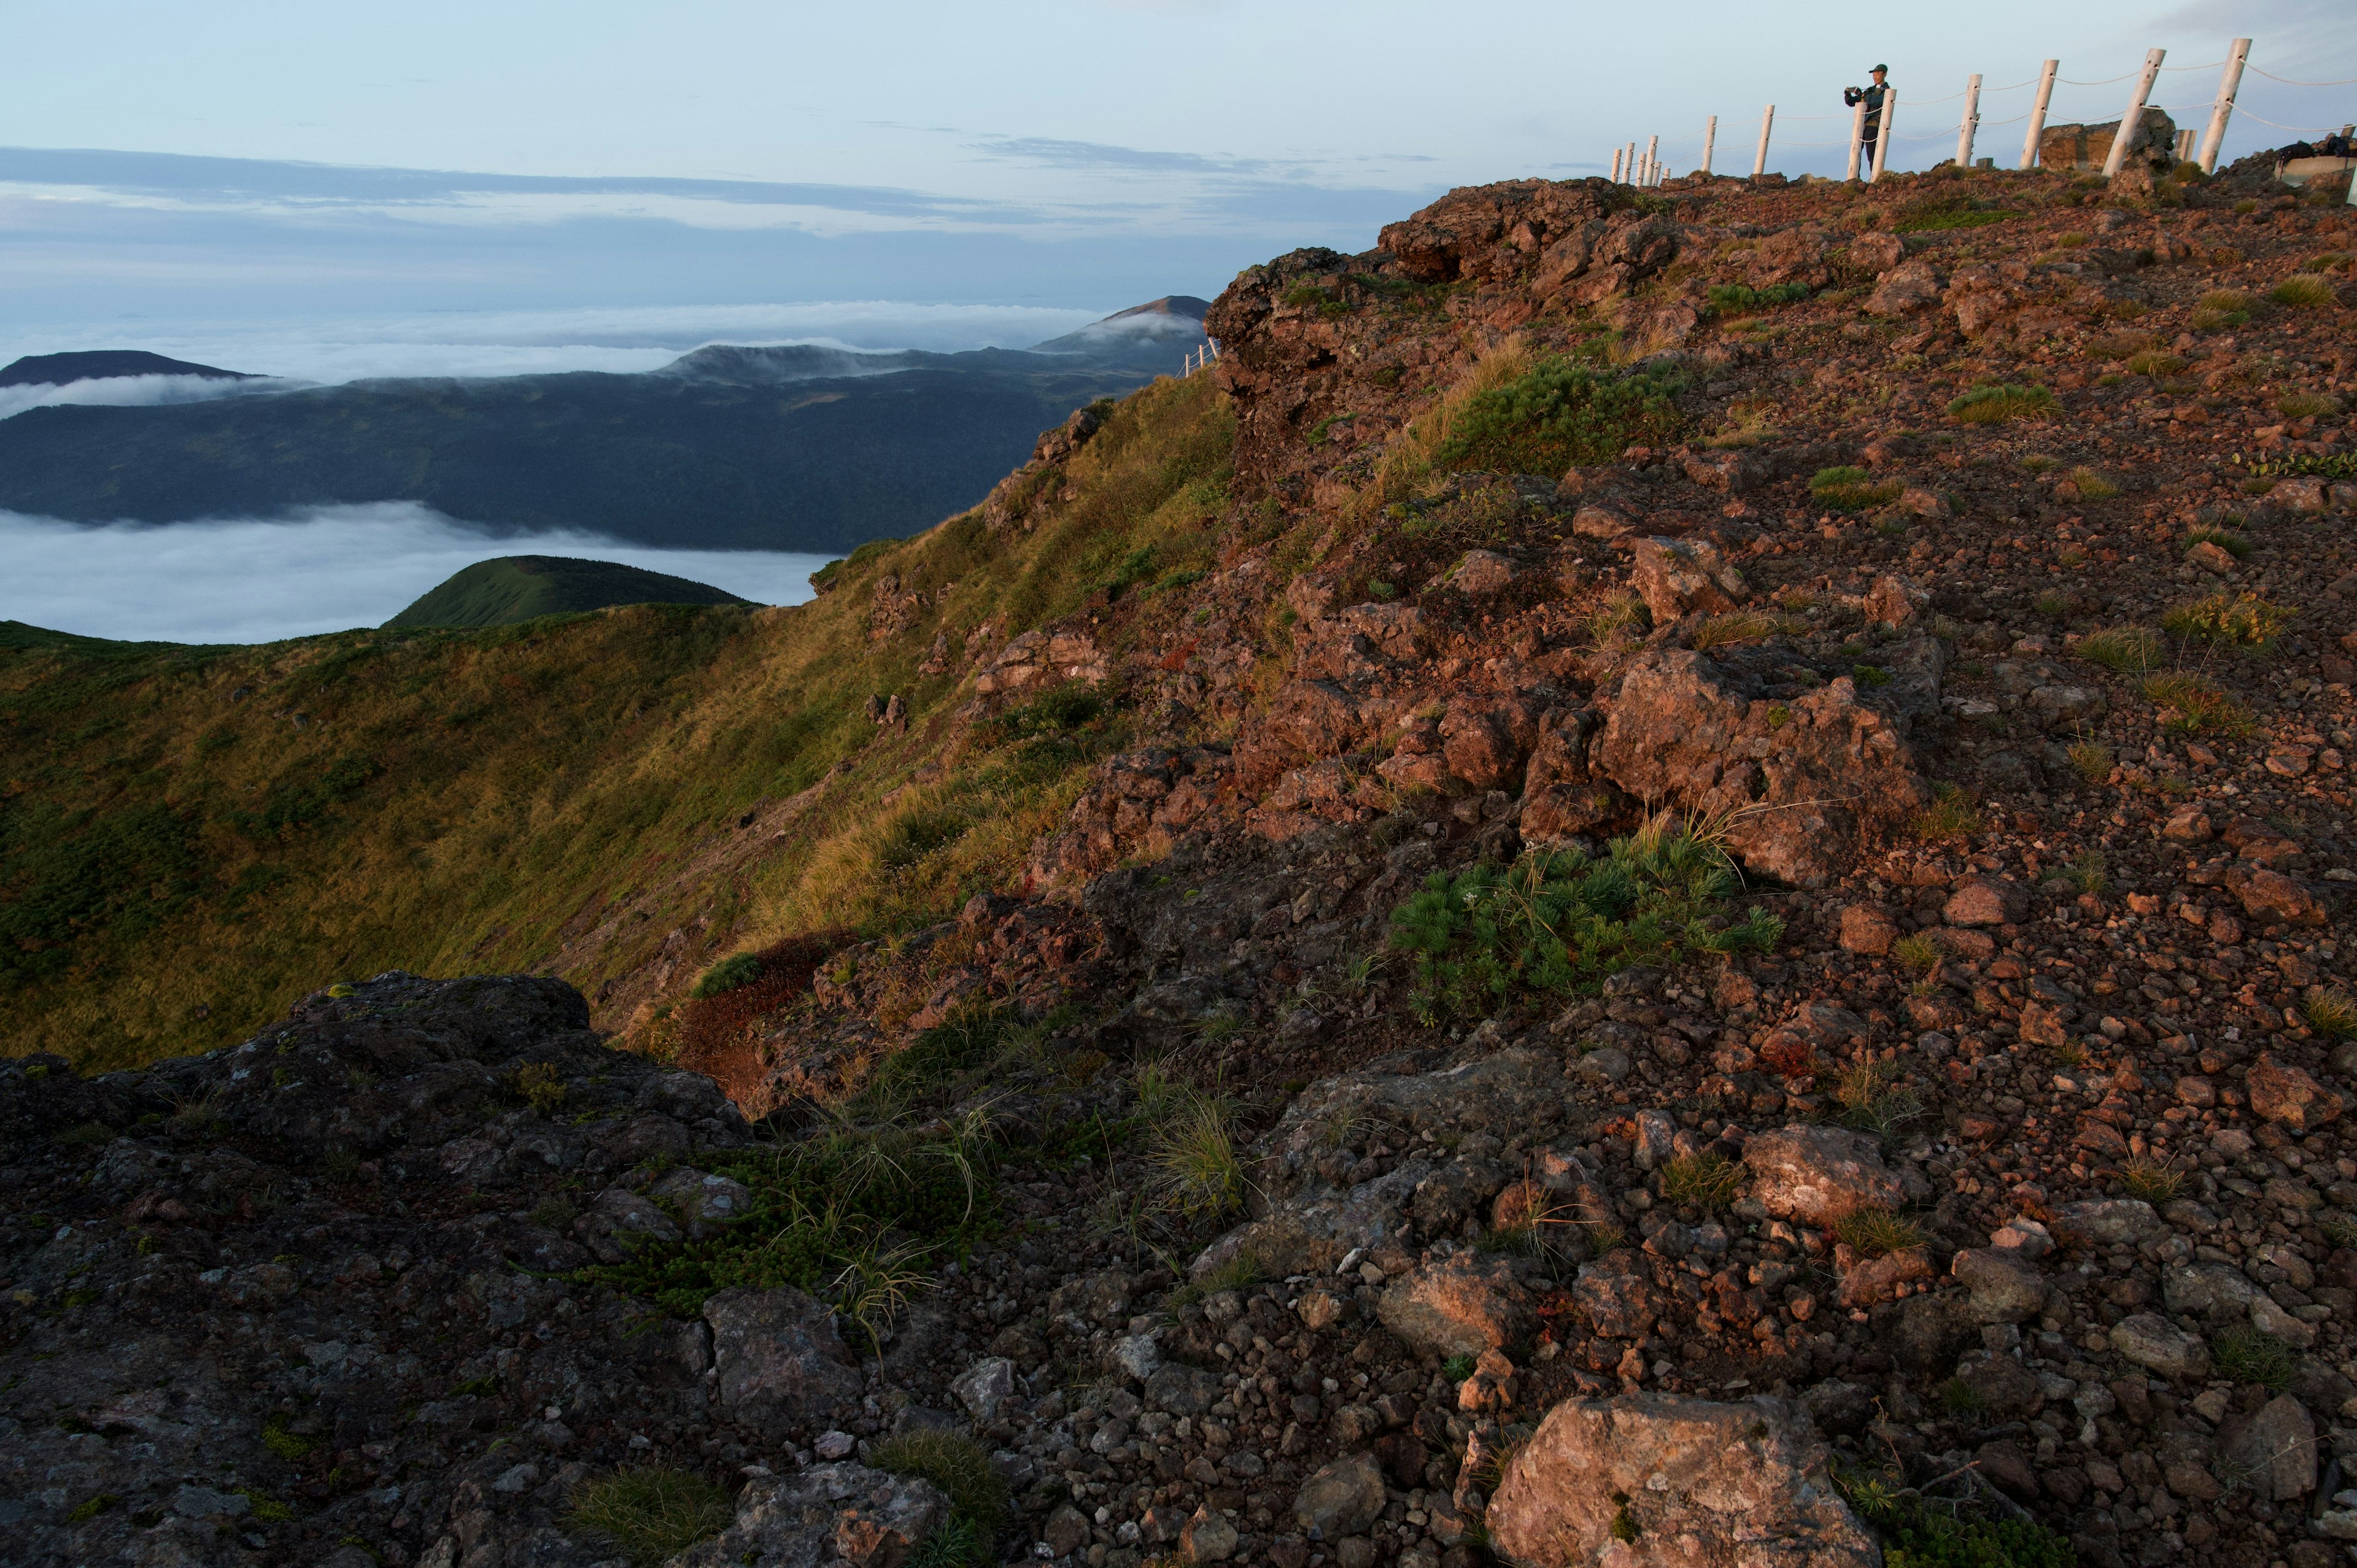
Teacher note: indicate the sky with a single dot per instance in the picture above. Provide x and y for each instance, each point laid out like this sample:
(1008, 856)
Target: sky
(461, 187)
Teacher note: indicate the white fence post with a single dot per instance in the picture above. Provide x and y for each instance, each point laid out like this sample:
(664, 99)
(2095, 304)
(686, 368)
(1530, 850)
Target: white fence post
(1632, 163)
(1882, 137)
(1616, 165)
(1709, 140)
(2132, 123)
(2229, 83)
(1971, 121)
(1856, 137)
(1759, 159)
(1653, 158)
(2038, 114)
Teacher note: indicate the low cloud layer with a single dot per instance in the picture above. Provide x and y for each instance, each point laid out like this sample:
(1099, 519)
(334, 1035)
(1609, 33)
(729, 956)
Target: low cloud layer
(531, 342)
(257, 581)
(131, 392)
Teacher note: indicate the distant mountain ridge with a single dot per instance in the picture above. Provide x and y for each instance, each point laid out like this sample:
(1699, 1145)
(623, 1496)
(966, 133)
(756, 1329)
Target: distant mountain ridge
(511, 588)
(795, 447)
(105, 364)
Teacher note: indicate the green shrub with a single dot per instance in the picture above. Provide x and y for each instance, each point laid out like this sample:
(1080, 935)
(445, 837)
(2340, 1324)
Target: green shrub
(1944, 212)
(915, 834)
(1559, 414)
(2001, 404)
(2197, 706)
(1951, 1535)
(1848, 489)
(1556, 921)
(652, 1514)
(736, 969)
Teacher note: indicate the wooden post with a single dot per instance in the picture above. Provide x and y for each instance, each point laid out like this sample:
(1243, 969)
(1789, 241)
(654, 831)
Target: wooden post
(2038, 114)
(1856, 137)
(1654, 159)
(1882, 137)
(1709, 140)
(1759, 159)
(1632, 163)
(1970, 122)
(1616, 165)
(2185, 144)
(2132, 123)
(2229, 83)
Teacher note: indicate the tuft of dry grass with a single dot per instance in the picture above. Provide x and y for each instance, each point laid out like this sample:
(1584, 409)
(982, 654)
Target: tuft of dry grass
(1736, 627)
(2143, 1176)
(2332, 1014)
(2235, 545)
(2193, 706)
(1708, 1180)
(1917, 954)
(2127, 649)
(652, 1514)
(2002, 404)
(1193, 1156)
(1873, 1100)
(2304, 291)
(1952, 814)
(2091, 760)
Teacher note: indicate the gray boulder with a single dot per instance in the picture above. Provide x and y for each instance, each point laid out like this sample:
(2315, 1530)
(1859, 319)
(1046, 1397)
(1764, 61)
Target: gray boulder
(778, 1355)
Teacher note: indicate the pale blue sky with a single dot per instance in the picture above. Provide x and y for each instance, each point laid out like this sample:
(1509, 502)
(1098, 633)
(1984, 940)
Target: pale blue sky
(167, 166)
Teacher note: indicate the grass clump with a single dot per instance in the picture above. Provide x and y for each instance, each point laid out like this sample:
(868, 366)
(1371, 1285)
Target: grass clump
(1917, 954)
(2191, 705)
(2001, 404)
(2308, 406)
(2238, 545)
(2091, 760)
(1560, 413)
(2246, 1354)
(960, 1467)
(2153, 362)
(2121, 346)
(1876, 1232)
(2092, 486)
(1873, 1100)
(1935, 214)
(2243, 620)
(2303, 291)
(2153, 1180)
(1847, 488)
(1735, 627)
(1559, 921)
(1952, 814)
(651, 1514)
(1197, 1169)
(2222, 309)
(2124, 649)
(1618, 615)
(2087, 872)
(288, 1445)
(1707, 1180)
(1734, 298)
(2332, 1014)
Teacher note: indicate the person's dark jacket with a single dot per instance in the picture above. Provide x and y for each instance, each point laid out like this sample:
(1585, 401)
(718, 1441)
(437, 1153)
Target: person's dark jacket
(1873, 96)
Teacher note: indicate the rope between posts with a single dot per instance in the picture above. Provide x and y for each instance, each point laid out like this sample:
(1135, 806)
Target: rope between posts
(2212, 66)
(2288, 82)
(2280, 125)
(2108, 82)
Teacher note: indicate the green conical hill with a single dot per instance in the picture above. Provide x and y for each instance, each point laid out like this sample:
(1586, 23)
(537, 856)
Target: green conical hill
(514, 588)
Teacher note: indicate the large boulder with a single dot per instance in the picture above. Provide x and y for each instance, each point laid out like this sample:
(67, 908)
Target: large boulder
(1458, 1305)
(1679, 578)
(844, 1512)
(1803, 783)
(1342, 1498)
(778, 1355)
(1653, 1479)
(1818, 1175)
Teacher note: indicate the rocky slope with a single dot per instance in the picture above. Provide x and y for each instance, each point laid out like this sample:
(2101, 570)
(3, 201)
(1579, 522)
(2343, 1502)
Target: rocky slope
(1716, 929)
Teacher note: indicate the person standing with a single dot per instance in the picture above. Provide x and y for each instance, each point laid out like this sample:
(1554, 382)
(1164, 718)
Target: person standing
(1871, 128)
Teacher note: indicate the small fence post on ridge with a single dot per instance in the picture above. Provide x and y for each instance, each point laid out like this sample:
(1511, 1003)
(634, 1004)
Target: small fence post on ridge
(1653, 158)
(1759, 159)
(1709, 140)
(1616, 165)
(1856, 138)
(1632, 163)
(1882, 134)
(2132, 123)
(1971, 121)
(2038, 114)
(2230, 82)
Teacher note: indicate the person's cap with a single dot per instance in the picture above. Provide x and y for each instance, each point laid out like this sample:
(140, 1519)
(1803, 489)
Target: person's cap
(1883, 70)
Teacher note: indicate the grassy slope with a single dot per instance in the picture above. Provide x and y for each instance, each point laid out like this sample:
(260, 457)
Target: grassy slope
(521, 588)
(179, 857)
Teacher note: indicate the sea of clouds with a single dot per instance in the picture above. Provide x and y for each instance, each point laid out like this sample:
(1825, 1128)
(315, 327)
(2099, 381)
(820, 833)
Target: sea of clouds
(255, 580)
(529, 342)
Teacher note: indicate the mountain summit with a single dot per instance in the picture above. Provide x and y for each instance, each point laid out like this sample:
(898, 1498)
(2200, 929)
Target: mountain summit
(105, 364)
